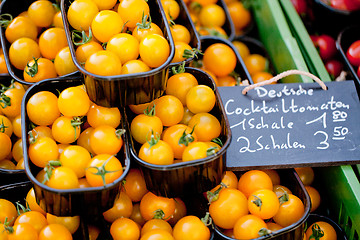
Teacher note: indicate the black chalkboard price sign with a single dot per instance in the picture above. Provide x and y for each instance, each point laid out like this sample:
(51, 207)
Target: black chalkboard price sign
(292, 125)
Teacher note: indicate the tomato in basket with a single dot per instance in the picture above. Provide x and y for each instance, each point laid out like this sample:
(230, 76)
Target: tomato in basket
(321, 229)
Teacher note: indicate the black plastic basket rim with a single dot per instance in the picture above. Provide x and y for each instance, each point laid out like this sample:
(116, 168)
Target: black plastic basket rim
(287, 229)
(335, 10)
(112, 185)
(14, 185)
(179, 165)
(9, 65)
(122, 77)
(27, 160)
(343, 51)
(196, 162)
(5, 75)
(11, 171)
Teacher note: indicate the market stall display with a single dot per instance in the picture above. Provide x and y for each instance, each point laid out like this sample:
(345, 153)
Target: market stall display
(291, 229)
(41, 51)
(62, 196)
(111, 88)
(194, 174)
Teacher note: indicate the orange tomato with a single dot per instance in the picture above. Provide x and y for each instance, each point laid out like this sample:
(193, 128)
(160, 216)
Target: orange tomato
(316, 228)
(255, 63)
(136, 215)
(42, 108)
(306, 175)
(22, 51)
(169, 109)
(71, 223)
(240, 16)
(51, 41)
(39, 69)
(230, 205)
(220, 59)
(281, 190)
(254, 180)
(263, 203)
(34, 218)
(134, 66)
(200, 99)
(179, 84)
(154, 50)
(104, 63)
(212, 15)
(125, 45)
(153, 224)
(262, 76)
(290, 211)
(242, 48)
(178, 136)
(171, 8)
(180, 51)
(81, 13)
(55, 231)
(131, 11)
(84, 51)
(108, 165)
(180, 33)
(206, 125)
(8, 211)
(63, 178)
(105, 139)
(3, 67)
(73, 101)
(180, 211)
(124, 228)
(153, 206)
(106, 24)
(249, 227)
(274, 175)
(315, 197)
(41, 13)
(135, 186)
(226, 81)
(123, 207)
(98, 115)
(21, 27)
(191, 227)
(63, 62)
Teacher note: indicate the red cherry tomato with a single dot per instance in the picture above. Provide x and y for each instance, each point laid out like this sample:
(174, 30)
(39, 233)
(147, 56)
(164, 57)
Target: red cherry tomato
(300, 6)
(326, 46)
(334, 67)
(353, 53)
(347, 5)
